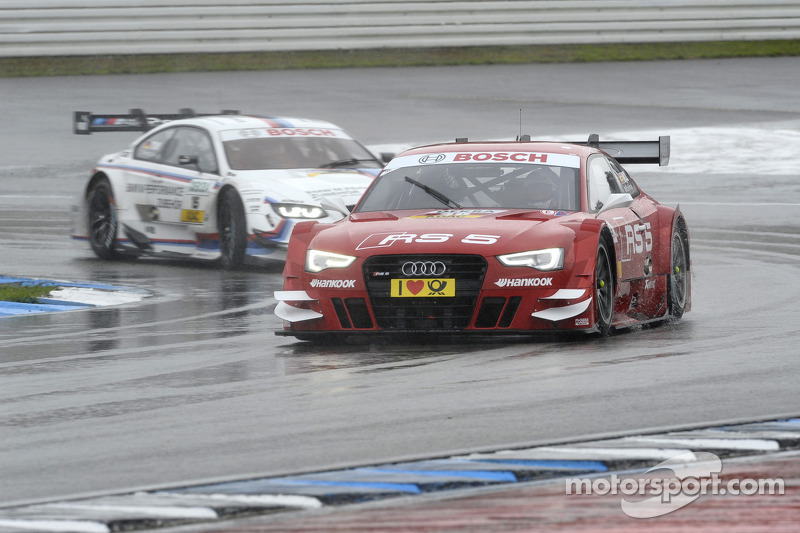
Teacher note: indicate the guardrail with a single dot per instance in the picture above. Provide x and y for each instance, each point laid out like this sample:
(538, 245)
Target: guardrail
(110, 27)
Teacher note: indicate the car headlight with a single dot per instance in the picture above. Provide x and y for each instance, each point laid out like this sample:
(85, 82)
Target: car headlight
(549, 259)
(299, 211)
(317, 260)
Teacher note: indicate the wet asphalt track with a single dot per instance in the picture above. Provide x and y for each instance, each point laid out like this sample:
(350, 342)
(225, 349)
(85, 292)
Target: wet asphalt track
(193, 385)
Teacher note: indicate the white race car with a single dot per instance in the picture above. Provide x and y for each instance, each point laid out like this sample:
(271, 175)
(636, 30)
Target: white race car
(224, 187)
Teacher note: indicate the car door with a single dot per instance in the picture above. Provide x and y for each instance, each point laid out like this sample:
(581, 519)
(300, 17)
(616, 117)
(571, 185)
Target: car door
(184, 176)
(632, 225)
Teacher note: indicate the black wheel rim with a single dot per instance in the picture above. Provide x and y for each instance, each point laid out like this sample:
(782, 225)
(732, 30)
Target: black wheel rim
(102, 219)
(678, 271)
(604, 288)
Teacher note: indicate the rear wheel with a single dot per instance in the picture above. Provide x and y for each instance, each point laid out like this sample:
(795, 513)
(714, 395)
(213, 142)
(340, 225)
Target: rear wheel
(102, 220)
(603, 290)
(232, 229)
(677, 281)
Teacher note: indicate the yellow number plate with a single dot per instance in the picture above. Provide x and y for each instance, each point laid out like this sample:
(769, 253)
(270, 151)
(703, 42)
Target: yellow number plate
(423, 288)
(192, 216)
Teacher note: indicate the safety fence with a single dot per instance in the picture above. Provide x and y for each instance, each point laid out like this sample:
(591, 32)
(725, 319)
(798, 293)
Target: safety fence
(112, 27)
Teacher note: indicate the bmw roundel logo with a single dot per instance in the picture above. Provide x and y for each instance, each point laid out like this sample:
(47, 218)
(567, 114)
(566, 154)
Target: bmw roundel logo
(432, 158)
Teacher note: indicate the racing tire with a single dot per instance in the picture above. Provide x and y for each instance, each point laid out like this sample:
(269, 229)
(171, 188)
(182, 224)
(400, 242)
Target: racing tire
(232, 228)
(603, 290)
(102, 220)
(677, 280)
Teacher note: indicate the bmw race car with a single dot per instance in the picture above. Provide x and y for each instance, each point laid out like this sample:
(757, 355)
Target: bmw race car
(513, 237)
(224, 187)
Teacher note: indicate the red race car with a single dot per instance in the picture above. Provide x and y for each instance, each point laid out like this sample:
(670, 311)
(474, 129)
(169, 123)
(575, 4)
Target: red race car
(494, 237)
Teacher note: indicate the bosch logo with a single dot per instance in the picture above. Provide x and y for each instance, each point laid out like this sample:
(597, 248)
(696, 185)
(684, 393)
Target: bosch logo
(424, 268)
(432, 158)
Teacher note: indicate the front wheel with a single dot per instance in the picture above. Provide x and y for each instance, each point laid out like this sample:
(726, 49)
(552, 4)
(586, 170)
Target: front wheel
(677, 281)
(603, 290)
(102, 220)
(232, 228)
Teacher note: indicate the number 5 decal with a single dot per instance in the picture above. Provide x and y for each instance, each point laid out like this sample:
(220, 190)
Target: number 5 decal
(480, 239)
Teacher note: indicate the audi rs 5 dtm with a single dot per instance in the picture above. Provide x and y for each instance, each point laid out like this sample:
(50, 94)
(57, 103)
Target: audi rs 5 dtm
(494, 237)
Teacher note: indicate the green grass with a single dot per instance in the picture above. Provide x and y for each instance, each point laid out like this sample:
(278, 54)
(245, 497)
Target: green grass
(15, 292)
(398, 57)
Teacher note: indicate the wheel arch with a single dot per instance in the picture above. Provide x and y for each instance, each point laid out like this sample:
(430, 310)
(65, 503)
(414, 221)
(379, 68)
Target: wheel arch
(670, 220)
(607, 237)
(241, 239)
(225, 189)
(94, 179)
(82, 200)
(682, 228)
(587, 238)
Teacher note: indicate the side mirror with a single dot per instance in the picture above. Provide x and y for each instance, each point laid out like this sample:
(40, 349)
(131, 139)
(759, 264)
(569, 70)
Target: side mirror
(335, 204)
(386, 157)
(617, 200)
(186, 160)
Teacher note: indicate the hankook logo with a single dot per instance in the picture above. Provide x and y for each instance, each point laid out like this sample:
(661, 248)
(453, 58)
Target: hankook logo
(525, 282)
(424, 268)
(432, 158)
(333, 283)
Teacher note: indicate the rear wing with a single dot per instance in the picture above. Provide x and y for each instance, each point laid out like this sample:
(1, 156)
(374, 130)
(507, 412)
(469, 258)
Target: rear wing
(86, 123)
(633, 152)
(626, 152)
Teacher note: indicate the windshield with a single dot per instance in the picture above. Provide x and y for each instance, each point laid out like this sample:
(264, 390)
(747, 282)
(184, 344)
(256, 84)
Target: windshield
(481, 185)
(297, 152)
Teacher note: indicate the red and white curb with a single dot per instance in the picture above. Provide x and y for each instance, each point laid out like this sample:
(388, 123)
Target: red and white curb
(219, 501)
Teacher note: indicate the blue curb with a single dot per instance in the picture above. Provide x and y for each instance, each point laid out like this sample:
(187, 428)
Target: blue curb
(589, 466)
(50, 305)
(19, 308)
(30, 282)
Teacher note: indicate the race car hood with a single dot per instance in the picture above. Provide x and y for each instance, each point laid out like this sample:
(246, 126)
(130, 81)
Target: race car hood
(308, 186)
(465, 231)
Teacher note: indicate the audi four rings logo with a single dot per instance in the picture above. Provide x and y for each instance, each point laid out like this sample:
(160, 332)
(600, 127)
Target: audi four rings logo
(432, 158)
(423, 268)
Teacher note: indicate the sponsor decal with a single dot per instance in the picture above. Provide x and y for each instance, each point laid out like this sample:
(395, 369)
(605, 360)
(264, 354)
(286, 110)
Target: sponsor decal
(650, 284)
(165, 203)
(638, 238)
(200, 186)
(334, 191)
(278, 132)
(416, 288)
(338, 171)
(501, 158)
(432, 158)
(524, 282)
(581, 321)
(384, 240)
(192, 216)
(110, 121)
(520, 157)
(154, 188)
(333, 283)
(300, 132)
(459, 213)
